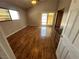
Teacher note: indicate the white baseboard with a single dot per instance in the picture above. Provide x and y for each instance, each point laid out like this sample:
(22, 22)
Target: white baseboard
(15, 31)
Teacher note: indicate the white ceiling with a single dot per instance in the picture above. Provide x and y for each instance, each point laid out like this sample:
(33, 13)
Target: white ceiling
(22, 3)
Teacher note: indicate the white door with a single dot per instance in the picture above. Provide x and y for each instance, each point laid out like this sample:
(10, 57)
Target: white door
(72, 21)
(5, 50)
(71, 33)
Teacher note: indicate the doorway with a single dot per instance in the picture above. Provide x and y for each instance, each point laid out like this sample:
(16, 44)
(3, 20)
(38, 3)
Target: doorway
(58, 21)
(58, 30)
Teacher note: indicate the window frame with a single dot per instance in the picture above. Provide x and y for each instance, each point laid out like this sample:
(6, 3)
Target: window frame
(8, 13)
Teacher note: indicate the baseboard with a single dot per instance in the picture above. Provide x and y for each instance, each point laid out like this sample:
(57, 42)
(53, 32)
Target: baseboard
(42, 25)
(15, 31)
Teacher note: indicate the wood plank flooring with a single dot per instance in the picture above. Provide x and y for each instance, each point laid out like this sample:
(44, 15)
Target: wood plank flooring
(33, 43)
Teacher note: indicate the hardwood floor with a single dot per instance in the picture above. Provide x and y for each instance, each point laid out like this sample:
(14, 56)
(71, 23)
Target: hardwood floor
(34, 43)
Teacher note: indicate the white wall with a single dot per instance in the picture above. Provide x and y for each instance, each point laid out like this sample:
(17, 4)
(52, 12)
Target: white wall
(5, 49)
(42, 7)
(61, 4)
(10, 27)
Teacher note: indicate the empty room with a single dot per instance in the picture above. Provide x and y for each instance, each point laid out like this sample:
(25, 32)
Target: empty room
(39, 29)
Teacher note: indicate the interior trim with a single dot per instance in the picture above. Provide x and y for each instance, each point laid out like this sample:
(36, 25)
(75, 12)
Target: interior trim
(16, 31)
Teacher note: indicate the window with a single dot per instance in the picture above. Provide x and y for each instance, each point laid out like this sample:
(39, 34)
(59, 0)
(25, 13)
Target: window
(44, 18)
(50, 18)
(4, 15)
(14, 14)
(47, 18)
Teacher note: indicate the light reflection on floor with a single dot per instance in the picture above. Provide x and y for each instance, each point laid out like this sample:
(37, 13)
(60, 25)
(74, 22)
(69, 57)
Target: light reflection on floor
(45, 31)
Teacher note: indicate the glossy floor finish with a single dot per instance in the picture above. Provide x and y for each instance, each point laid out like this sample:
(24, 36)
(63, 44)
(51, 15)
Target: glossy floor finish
(34, 43)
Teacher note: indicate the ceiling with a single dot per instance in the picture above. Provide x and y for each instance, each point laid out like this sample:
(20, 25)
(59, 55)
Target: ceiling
(24, 4)
(20, 3)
